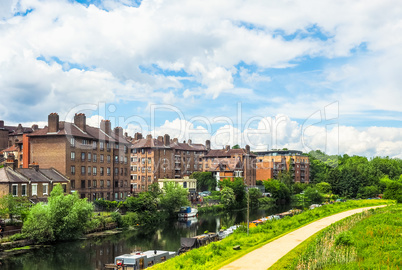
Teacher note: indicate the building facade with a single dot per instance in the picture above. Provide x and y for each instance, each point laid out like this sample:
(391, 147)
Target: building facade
(271, 163)
(96, 160)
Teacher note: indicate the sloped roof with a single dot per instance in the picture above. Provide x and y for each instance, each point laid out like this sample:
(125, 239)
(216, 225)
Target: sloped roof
(54, 175)
(70, 129)
(18, 129)
(7, 175)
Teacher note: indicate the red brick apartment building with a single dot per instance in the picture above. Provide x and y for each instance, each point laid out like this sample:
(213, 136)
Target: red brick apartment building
(162, 157)
(96, 160)
(231, 163)
(270, 163)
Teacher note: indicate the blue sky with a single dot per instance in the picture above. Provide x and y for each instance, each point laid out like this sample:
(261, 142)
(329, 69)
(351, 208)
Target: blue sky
(211, 64)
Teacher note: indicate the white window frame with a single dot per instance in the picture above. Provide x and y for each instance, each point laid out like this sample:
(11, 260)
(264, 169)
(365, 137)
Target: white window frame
(22, 189)
(16, 190)
(47, 189)
(36, 190)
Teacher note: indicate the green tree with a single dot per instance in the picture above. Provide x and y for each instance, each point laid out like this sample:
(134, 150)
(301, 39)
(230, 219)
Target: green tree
(227, 197)
(11, 207)
(173, 197)
(278, 190)
(254, 194)
(394, 191)
(236, 146)
(324, 187)
(368, 192)
(205, 181)
(239, 189)
(64, 217)
(313, 195)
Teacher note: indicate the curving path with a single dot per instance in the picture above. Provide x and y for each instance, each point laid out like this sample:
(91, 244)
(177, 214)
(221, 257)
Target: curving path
(265, 256)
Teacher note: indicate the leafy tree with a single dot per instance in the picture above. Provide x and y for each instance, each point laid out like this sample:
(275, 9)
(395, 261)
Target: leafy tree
(313, 195)
(299, 187)
(368, 192)
(205, 181)
(324, 187)
(11, 206)
(236, 146)
(64, 217)
(394, 191)
(254, 194)
(259, 183)
(173, 197)
(278, 190)
(239, 189)
(227, 197)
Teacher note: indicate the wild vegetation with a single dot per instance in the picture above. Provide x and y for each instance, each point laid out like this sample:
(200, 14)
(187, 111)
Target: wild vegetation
(217, 254)
(369, 240)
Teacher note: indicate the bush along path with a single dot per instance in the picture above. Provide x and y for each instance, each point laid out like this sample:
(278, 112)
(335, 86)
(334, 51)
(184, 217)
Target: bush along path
(370, 240)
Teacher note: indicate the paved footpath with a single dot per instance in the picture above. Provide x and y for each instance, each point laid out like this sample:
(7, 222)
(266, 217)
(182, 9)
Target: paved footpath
(265, 256)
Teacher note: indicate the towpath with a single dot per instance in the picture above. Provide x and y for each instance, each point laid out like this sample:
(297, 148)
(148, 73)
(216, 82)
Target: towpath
(265, 256)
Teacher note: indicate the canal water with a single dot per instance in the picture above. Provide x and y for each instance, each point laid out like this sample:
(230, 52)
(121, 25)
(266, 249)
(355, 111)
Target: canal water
(95, 253)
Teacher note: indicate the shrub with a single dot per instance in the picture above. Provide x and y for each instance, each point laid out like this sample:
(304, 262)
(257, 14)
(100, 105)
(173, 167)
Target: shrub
(344, 239)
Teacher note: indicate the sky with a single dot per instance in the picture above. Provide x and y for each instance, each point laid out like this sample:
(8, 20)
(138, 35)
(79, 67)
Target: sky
(306, 75)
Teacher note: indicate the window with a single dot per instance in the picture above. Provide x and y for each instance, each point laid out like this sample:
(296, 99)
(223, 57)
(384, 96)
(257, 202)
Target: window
(82, 170)
(143, 169)
(94, 170)
(142, 178)
(102, 171)
(94, 183)
(164, 151)
(108, 158)
(72, 169)
(116, 183)
(89, 183)
(125, 149)
(101, 158)
(133, 177)
(34, 190)
(149, 160)
(116, 171)
(149, 179)
(89, 156)
(125, 171)
(142, 151)
(149, 169)
(121, 183)
(108, 183)
(134, 151)
(116, 159)
(82, 156)
(116, 146)
(121, 195)
(95, 157)
(72, 184)
(185, 184)
(108, 146)
(82, 183)
(45, 188)
(134, 168)
(24, 189)
(72, 142)
(101, 145)
(164, 169)
(15, 190)
(121, 159)
(135, 159)
(89, 170)
(64, 187)
(94, 145)
(108, 170)
(84, 141)
(116, 196)
(101, 183)
(143, 161)
(72, 156)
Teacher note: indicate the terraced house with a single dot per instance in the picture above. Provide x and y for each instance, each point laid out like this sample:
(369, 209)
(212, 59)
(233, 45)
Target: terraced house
(96, 160)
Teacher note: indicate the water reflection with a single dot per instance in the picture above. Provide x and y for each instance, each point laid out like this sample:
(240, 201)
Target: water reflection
(95, 253)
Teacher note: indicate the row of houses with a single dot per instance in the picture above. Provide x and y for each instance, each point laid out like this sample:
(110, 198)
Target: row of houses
(105, 163)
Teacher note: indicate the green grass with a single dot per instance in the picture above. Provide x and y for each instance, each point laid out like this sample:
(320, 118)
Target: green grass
(370, 240)
(221, 253)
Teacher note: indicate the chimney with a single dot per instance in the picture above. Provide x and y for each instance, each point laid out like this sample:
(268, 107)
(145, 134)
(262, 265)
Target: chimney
(208, 145)
(149, 136)
(184, 141)
(138, 136)
(125, 134)
(34, 127)
(227, 147)
(166, 140)
(118, 131)
(189, 141)
(19, 129)
(80, 121)
(34, 166)
(1, 123)
(11, 162)
(160, 138)
(53, 123)
(248, 149)
(105, 126)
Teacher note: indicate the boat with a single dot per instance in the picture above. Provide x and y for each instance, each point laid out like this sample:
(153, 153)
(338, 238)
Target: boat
(187, 211)
(140, 260)
(187, 244)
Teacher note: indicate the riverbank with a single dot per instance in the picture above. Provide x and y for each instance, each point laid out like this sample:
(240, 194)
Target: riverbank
(221, 253)
(351, 243)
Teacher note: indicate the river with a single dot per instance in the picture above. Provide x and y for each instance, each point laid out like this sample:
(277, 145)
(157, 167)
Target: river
(95, 253)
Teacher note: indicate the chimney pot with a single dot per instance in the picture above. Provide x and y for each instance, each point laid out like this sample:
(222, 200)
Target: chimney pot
(80, 121)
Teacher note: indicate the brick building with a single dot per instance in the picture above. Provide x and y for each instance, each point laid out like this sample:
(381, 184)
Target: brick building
(96, 160)
(33, 182)
(162, 157)
(270, 163)
(230, 163)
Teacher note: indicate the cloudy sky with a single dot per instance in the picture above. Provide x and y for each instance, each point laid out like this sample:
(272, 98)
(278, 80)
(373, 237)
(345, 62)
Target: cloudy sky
(311, 74)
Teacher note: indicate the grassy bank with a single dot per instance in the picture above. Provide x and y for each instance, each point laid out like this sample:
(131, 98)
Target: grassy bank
(370, 240)
(217, 254)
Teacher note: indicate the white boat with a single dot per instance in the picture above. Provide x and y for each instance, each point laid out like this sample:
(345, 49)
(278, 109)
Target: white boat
(141, 260)
(187, 211)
